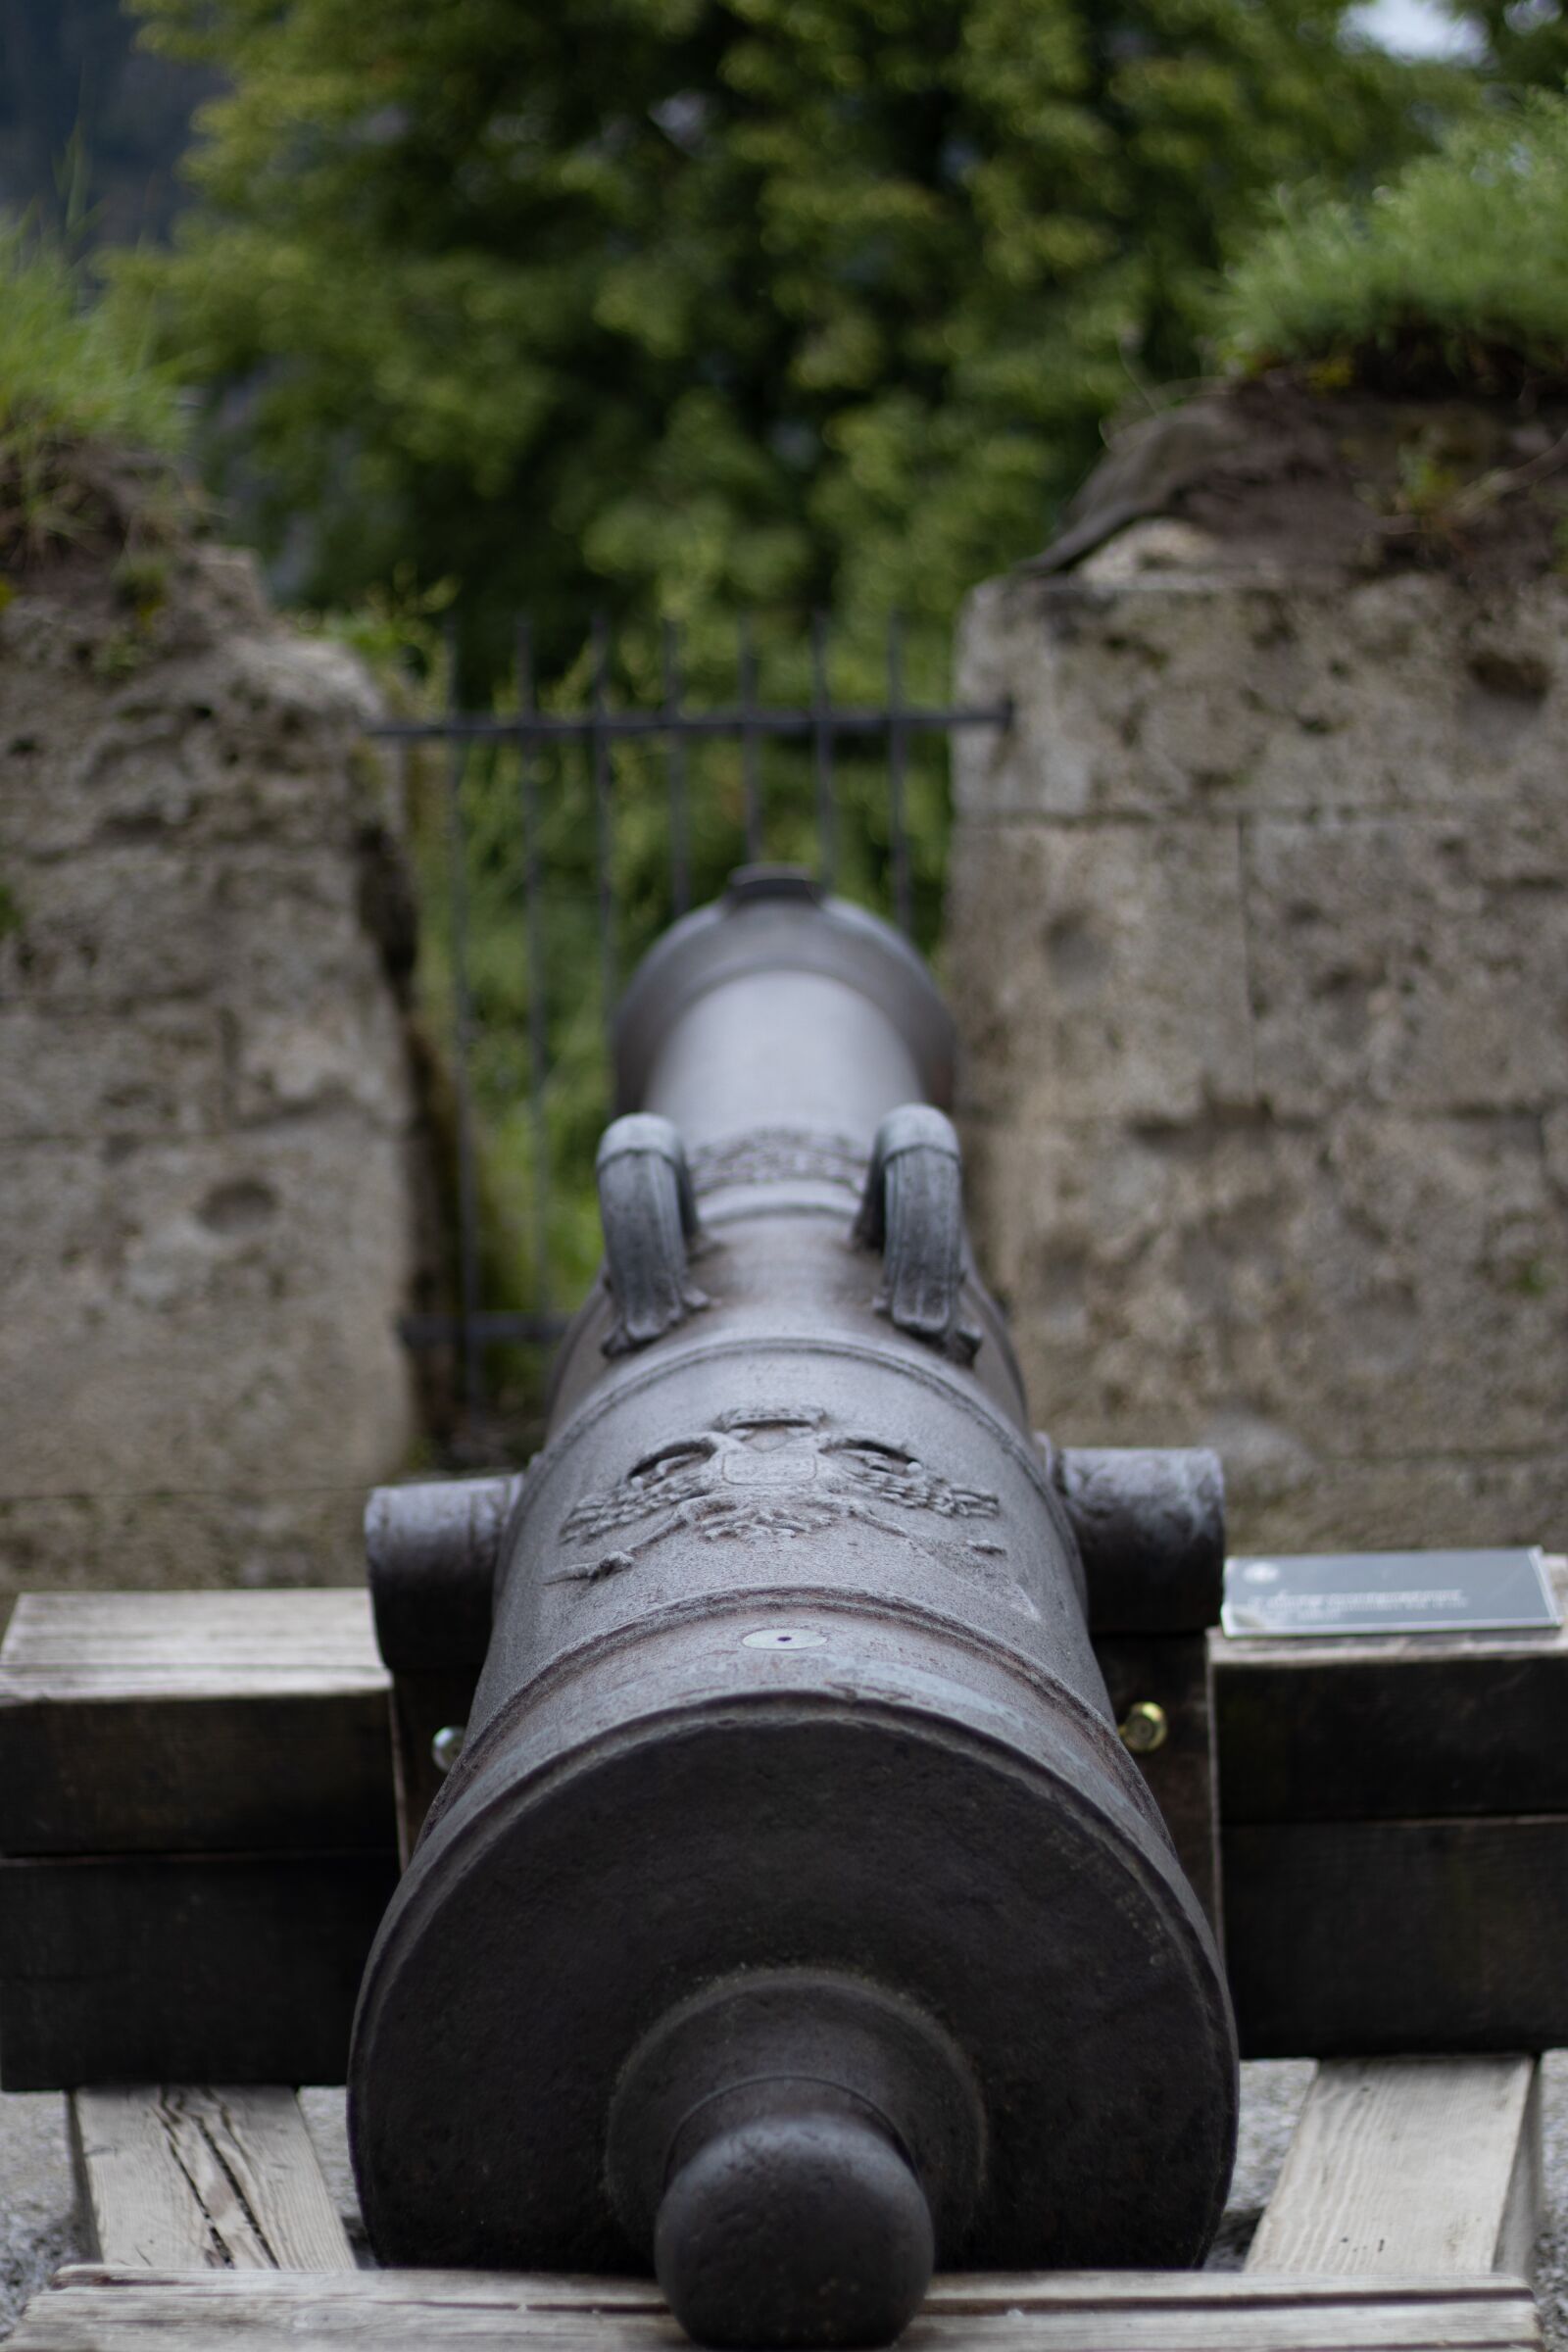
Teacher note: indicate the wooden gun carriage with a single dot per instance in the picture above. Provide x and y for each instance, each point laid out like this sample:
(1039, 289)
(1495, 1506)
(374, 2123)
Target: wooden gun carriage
(206, 1800)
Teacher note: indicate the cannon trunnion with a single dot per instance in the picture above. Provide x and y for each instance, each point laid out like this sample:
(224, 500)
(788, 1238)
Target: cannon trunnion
(793, 1917)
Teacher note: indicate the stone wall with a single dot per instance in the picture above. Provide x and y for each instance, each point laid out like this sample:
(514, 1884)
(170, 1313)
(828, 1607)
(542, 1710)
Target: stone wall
(206, 1138)
(1259, 938)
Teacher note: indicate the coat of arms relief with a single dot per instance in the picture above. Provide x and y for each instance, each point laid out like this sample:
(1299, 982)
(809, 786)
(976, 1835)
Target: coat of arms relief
(778, 1473)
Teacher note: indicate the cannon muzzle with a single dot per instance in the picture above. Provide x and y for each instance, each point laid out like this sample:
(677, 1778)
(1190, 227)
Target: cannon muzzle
(793, 1918)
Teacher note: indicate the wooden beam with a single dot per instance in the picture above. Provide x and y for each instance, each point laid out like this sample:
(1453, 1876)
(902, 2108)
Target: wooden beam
(1393, 1817)
(90, 2310)
(193, 1722)
(199, 2178)
(1393, 1727)
(1411, 2165)
(191, 1968)
(1383, 1938)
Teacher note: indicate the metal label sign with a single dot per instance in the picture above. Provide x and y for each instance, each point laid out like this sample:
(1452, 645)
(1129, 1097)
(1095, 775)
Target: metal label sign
(1314, 1593)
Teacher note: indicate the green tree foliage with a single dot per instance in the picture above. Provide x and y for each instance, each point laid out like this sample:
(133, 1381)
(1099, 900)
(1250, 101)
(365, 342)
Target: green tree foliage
(1526, 41)
(762, 302)
(1455, 276)
(74, 369)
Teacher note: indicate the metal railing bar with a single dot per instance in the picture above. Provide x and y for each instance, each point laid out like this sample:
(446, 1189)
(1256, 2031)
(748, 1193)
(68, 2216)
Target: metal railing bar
(680, 871)
(671, 728)
(751, 766)
(534, 951)
(898, 741)
(823, 754)
(462, 1060)
(598, 735)
(613, 725)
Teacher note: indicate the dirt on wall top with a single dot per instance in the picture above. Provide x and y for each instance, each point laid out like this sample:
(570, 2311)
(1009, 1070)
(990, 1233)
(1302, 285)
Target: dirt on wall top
(1339, 481)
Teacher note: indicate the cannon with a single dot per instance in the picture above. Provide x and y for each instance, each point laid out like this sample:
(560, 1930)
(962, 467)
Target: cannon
(793, 1917)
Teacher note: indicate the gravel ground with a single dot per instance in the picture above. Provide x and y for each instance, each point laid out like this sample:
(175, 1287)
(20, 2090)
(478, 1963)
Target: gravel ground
(39, 2229)
(1272, 2091)
(1551, 2251)
(38, 2226)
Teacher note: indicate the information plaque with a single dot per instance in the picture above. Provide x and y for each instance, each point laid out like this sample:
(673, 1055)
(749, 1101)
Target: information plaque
(1309, 1593)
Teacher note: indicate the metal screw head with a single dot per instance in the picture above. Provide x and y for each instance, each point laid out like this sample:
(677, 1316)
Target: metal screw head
(447, 1746)
(1144, 1727)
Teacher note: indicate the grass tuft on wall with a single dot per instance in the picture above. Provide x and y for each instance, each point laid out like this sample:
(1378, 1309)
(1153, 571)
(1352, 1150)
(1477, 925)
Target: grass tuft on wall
(76, 376)
(1451, 279)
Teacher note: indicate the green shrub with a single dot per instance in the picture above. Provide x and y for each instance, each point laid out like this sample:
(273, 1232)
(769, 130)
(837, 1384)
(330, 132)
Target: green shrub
(1454, 275)
(75, 372)
(71, 364)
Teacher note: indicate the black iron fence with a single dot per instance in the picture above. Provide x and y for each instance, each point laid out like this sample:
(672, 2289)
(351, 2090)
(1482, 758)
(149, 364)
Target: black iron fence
(824, 737)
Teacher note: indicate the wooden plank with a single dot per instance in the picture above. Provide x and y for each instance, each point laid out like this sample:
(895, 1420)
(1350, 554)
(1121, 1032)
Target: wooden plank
(190, 1722)
(129, 1642)
(1377, 1938)
(952, 2293)
(1172, 1670)
(203, 2178)
(1411, 2165)
(228, 1967)
(982, 2293)
(1524, 2210)
(114, 2311)
(1393, 1727)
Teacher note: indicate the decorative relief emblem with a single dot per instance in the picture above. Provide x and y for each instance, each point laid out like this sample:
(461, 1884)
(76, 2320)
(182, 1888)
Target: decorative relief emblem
(779, 1155)
(773, 1472)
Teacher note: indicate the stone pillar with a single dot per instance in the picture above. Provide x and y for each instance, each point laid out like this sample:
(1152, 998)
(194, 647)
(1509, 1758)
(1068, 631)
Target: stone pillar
(1259, 940)
(206, 1146)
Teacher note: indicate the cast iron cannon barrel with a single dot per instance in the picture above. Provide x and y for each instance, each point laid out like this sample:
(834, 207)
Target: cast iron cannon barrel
(793, 1918)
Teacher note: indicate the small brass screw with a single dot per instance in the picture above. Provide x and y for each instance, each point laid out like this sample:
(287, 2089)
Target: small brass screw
(1144, 1727)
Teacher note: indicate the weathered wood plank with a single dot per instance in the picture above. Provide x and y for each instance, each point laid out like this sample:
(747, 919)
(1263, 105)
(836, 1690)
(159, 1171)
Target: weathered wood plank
(1393, 1727)
(1411, 2165)
(1524, 2210)
(1066, 2312)
(193, 1722)
(1351, 1939)
(1173, 1671)
(127, 1643)
(952, 2293)
(201, 2179)
(228, 1967)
